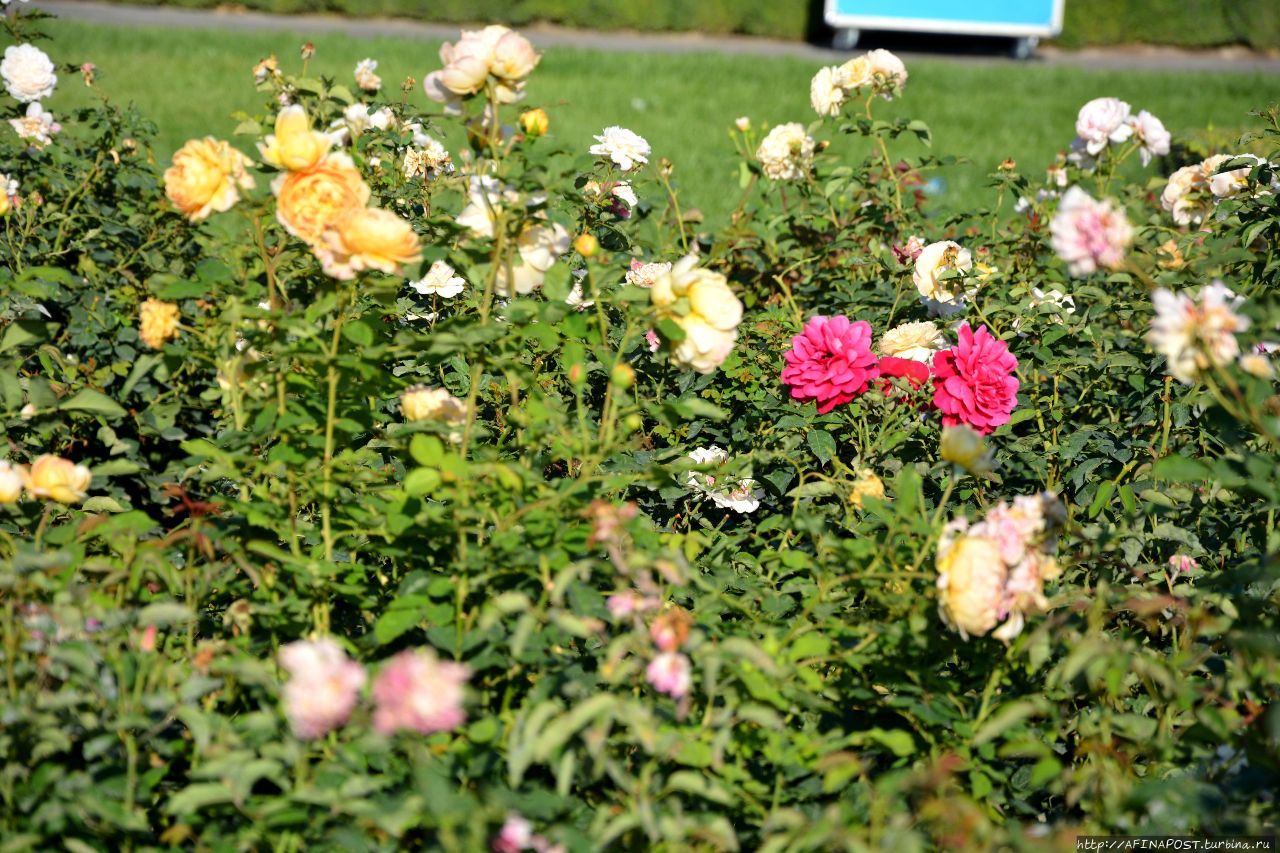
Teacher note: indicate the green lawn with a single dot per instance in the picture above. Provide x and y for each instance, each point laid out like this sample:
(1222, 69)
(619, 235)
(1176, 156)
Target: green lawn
(190, 82)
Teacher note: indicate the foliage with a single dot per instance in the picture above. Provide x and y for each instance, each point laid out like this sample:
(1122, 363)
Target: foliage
(1181, 23)
(254, 484)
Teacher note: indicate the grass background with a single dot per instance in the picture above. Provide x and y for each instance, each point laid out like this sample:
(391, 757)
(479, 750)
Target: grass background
(1191, 23)
(190, 82)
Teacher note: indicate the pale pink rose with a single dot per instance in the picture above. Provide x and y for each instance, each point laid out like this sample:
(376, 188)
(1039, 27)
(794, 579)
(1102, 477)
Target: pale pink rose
(1089, 234)
(624, 604)
(418, 692)
(323, 686)
(513, 57)
(655, 342)
(670, 673)
(1103, 121)
(516, 835)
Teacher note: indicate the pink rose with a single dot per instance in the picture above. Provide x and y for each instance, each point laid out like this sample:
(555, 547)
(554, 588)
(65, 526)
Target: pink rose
(419, 692)
(973, 382)
(670, 673)
(830, 362)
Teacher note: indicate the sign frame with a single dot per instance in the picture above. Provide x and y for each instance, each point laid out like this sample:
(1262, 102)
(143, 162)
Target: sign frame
(838, 20)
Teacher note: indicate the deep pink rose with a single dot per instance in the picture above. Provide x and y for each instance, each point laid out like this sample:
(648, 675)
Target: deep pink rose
(830, 362)
(973, 382)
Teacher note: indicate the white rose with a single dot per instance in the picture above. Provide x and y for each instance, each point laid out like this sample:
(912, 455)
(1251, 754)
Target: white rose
(625, 148)
(27, 72)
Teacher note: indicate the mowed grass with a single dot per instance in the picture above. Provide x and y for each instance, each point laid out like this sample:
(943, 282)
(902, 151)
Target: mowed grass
(191, 82)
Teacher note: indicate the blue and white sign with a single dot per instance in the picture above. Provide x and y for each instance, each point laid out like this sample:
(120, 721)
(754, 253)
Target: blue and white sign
(1017, 18)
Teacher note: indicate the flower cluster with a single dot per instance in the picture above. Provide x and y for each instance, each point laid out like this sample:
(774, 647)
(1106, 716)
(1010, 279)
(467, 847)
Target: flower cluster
(29, 77)
(878, 71)
(831, 362)
(414, 691)
(1104, 122)
(1193, 191)
(994, 571)
(321, 199)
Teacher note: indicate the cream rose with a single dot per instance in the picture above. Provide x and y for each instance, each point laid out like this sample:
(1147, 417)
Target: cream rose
(915, 341)
(887, 71)
(786, 153)
(825, 92)
(206, 176)
(936, 260)
(420, 403)
(12, 479)
(58, 479)
(28, 73)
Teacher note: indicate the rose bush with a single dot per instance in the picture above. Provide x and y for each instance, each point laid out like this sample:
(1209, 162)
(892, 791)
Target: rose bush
(362, 494)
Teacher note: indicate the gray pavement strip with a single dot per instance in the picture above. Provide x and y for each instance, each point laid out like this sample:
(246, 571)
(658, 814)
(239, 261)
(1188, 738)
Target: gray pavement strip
(1137, 57)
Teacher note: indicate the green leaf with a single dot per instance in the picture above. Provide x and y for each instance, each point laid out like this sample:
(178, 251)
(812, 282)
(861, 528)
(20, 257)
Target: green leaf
(88, 400)
(195, 797)
(1180, 469)
(822, 443)
(359, 333)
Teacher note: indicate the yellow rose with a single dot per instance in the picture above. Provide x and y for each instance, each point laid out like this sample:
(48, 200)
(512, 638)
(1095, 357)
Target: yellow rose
(294, 145)
(4, 203)
(971, 582)
(12, 479)
(58, 479)
(309, 203)
(158, 322)
(206, 176)
(964, 446)
(867, 485)
(535, 122)
(368, 238)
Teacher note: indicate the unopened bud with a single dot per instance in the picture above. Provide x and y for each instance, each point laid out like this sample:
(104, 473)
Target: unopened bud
(586, 245)
(535, 122)
(623, 376)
